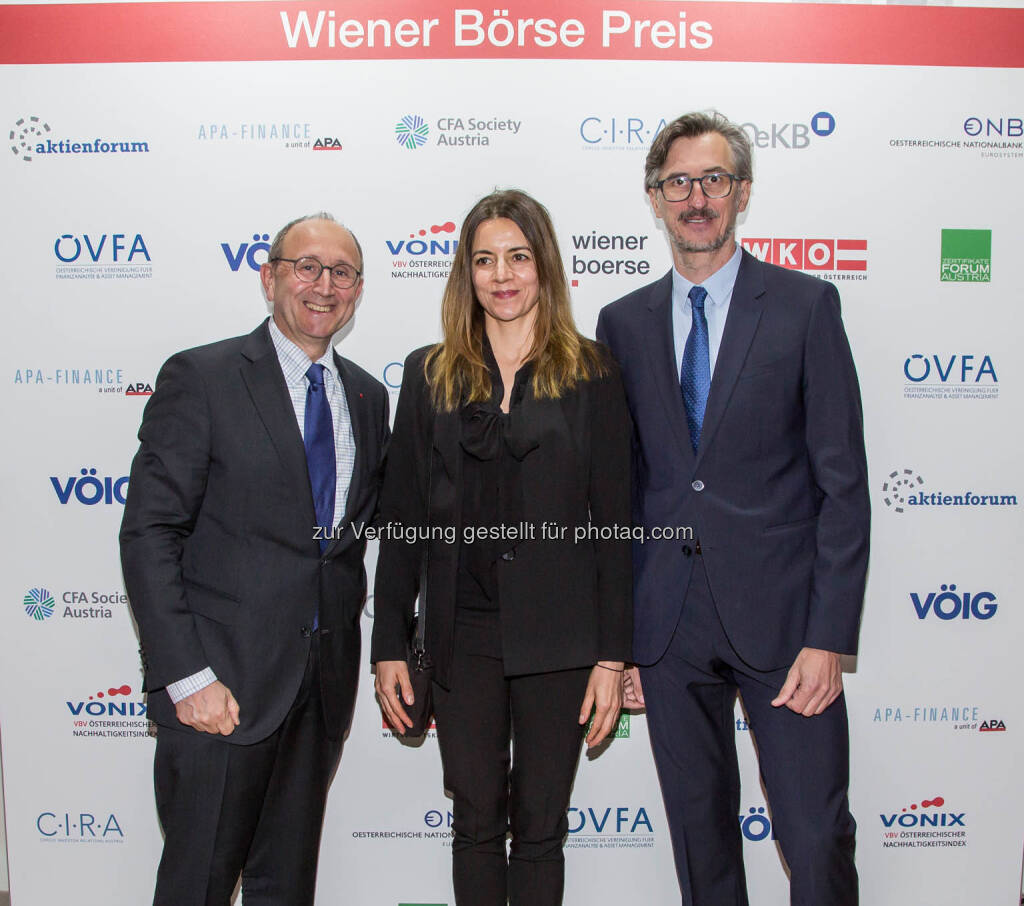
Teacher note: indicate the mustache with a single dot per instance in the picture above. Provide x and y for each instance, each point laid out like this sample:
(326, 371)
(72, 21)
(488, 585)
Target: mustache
(705, 213)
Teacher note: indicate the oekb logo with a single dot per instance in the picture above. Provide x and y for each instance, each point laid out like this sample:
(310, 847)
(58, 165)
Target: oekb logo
(756, 825)
(88, 489)
(248, 252)
(811, 254)
(948, 604)
(791, 135)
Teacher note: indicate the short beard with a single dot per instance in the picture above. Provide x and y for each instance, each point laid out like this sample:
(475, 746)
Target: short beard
(682, 245)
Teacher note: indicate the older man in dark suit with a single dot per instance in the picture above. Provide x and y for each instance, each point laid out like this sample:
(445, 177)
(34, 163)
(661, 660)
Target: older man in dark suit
(258, 456)
(748, 428)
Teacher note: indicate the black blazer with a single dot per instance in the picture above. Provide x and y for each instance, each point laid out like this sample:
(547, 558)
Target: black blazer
(217, 542)
(563, 603)
(777, 492)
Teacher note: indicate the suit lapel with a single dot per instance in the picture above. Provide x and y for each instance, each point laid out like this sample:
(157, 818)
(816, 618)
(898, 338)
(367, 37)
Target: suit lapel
(741, 324)
(662, 359)
(262, 374)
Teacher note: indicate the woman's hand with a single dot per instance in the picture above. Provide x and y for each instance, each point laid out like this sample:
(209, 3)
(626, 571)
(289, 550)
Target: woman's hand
(604, 693)
(392, 679)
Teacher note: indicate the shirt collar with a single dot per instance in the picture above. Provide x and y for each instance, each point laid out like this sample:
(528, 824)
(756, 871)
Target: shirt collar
(294, 362)
(719, 285)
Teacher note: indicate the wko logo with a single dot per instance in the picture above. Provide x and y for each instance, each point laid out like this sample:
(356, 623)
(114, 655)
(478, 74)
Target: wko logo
(247, 252)
(107, 256)
(950, 376)
(89, 490)
(903, 488)
(79, 827)
(924, 825)
(30, 138)
(791, 136)
(843, 259)
(426, 253)
(947, 604)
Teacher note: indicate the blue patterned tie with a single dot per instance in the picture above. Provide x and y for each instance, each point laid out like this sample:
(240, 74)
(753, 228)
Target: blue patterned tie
(695, 375)
(319, 443)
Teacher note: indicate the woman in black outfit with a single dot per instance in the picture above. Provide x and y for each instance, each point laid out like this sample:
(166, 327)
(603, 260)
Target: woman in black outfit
(509, 462)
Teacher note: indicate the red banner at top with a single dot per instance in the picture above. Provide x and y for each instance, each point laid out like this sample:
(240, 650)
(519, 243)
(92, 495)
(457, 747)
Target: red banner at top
(414, 29)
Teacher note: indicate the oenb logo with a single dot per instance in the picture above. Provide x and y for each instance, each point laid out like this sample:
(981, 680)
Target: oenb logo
(38, 604)
(411, 132)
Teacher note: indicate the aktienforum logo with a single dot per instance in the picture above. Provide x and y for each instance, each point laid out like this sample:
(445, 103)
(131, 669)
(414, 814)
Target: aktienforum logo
(966, 256)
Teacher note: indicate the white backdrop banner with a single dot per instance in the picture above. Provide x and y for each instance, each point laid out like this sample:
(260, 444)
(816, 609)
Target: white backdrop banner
(155, 148)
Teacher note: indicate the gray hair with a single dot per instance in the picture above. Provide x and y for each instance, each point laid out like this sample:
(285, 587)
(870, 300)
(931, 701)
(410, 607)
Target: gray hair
(278, 243)
(694, 125)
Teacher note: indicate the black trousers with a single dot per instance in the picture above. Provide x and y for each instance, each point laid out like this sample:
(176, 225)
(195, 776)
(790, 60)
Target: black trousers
(255, 811)
(804, 761)
(495, 791)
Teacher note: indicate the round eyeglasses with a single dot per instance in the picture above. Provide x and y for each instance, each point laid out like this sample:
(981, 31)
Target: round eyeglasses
(308, 270)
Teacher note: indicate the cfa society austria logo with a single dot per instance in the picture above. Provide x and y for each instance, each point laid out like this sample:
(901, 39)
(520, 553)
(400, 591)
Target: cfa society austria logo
(411, 132)
(38, 604)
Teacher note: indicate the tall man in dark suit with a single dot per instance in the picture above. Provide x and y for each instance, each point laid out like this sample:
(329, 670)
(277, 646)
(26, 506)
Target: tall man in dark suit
(259, 454)
(748, 429)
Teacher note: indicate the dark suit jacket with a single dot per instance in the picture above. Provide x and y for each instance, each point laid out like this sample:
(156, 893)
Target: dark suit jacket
(777, 492)
(563, 604)
(217, 539)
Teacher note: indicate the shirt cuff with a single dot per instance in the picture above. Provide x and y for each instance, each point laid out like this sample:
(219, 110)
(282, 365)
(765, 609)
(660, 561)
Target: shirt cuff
(183, 688)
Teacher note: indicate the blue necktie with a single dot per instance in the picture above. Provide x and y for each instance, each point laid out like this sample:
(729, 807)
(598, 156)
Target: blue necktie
(695, 375)
(319, 443)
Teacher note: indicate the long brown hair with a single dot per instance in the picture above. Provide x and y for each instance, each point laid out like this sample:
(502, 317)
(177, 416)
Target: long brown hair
(455, 369)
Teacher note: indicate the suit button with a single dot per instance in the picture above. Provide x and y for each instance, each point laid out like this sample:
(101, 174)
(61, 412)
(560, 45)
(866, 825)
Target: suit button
(306, 632)
(687, 550)
(509, 556)
(698, 485)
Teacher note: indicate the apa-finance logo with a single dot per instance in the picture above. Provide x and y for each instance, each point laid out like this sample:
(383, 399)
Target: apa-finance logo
(39, 604)
(31, 137)
(946, 716)
(950, 604)
(610, 827)
(287, 134)
(412, 132)
(89, 489)
(791, 136)
(115, 713)
(102, 256)
(904, 489)
(923, 825)
(839, 259)
(950, 375)
(966, 256)
(252, 253)
(425, 253)
(599, 254)
(73, 376)
(78, 826)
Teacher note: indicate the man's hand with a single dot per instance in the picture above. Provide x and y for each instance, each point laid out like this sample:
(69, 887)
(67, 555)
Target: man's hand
(604, 693)
(392, 678)
(632, 691)
(813, 682)
(212, 709)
